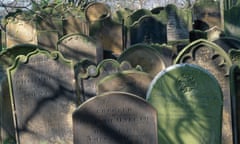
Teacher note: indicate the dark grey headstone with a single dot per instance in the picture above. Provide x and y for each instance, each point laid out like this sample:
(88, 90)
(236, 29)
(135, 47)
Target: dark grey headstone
(189, 110)
(148, 30)
(235, 95)
(115, 118)
(134, 82)
(78, 46)
(43, 94)
(214, 59)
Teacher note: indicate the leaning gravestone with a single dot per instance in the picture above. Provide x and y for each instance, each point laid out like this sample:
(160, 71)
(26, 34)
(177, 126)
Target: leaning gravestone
(214, 59)
(79, 46)
(235, 94)
(144, 55)
(189, 111)
(148, 29)
(115, 118)
(134, 82)
(42, 89)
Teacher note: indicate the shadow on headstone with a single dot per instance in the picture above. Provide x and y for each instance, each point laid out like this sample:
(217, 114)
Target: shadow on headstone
(115, 118)
(213, 58)
(189, 110)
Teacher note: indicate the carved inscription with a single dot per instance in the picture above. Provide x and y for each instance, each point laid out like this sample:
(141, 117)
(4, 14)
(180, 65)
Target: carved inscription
(114, 121)
(44, 97)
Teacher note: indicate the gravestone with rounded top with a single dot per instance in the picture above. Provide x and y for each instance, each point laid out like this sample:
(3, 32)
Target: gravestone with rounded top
(189, 109)
(213, 58)
(115, 118)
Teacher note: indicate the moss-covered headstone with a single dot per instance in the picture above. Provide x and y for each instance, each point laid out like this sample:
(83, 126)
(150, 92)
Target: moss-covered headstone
(189, 110)
(214, 59)
(148, 29)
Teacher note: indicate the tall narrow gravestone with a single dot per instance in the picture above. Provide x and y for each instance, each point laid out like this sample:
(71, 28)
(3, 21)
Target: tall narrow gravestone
(189, 110)
(115, 118)
(214, 59)
(42, 88)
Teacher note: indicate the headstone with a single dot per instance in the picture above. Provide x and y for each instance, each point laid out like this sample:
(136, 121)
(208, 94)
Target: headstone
(96, 11)
(48, 39)
(210, 12)
(178, 23)
(20, 31)
(79, 46)
(42, 88)
(75, 24)
(189, 110)
(109, 34)
(134, 82)
(148, 30)
(147, 57)
(214, 59)
(228, 43)
(235, 94)
(115, 118)
(231, 25)
(89, 74)
(235, 56)
(136, 16)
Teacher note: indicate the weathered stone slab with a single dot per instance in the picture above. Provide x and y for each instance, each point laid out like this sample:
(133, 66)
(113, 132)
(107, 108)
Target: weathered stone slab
(189, 111)
(89, 74)
(235, 94)
(148, 30)
(20, 31)
(42, 88)
(79, 46)
(114, 118)
(147, 57)
(214, 59)
(134, 82)
(179, 23)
